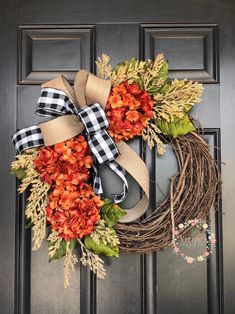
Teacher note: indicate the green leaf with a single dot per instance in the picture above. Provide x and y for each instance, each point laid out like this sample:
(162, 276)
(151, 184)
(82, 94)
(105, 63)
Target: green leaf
(140, 83)
(111, 213)
(163, 73)
(62, 249)
(59, 252)
(126, 63)
(164, 89)
(154, 90)
(176, 128)
(29, 224)
(100, 247)
(20, 173)
(72, 244)
(187, 107)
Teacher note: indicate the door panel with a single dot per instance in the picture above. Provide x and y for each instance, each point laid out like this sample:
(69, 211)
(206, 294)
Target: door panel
(196, 42)
(48, 51)
(41, 43)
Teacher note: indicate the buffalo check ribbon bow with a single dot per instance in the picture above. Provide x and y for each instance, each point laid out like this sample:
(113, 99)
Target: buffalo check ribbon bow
(72, 115)
(55, 103)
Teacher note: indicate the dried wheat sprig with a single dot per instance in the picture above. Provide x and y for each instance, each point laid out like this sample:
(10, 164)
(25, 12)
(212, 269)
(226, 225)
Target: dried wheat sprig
(146, 72)
(36, 210)
(38, 199)
(103, 66)
(70, 260)
(25, 159)
(127, 72)
(55, 241)
(151, 73)
(93, 261)
(105, 234)
(180, 95)
(151, 135)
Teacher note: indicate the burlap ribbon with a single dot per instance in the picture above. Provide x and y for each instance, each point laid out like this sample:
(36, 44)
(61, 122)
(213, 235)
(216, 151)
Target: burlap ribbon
(89, 89)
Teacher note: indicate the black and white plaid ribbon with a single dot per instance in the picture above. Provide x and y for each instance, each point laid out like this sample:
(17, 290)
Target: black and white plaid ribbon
(53, 103)
(27, 138)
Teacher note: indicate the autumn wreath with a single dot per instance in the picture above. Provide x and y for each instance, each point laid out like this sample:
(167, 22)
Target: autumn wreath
(59, 161)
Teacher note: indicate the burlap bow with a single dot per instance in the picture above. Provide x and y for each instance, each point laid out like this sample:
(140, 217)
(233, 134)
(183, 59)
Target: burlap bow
(88, 89)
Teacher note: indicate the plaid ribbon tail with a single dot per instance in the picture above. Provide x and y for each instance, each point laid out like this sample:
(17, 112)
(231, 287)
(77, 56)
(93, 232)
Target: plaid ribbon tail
(97, 184)
(118, 198)
(102, 146)
(51, 103)
(26, 138)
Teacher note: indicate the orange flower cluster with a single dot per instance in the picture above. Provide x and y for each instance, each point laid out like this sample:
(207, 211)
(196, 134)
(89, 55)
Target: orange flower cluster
(73, 207)
(128, 109)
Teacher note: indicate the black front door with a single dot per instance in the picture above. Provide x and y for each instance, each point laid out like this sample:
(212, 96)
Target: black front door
(42, 39)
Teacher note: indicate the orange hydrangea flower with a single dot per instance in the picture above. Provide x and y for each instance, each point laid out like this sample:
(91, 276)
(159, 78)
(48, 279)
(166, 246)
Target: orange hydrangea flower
(74, 214)
(128, 110)
(73, 208)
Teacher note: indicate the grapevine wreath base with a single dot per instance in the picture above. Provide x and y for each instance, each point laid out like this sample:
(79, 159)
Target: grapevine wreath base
(59, 161)
(193, 191)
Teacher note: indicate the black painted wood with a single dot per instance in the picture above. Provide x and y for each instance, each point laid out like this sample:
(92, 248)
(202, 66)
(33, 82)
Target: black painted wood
(68, 48)
(198, 39)
(197, 42)
(8, 48)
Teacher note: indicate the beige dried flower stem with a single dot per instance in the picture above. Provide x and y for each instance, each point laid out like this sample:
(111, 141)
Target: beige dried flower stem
(152, 71)
(93, 261)
(36, 210)
(70, 260)
(151, 134)
(147, 70)
(24, 160)
(38, 198)
(55, 241)
(103, 66)
(104, 234)
(175, 102)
